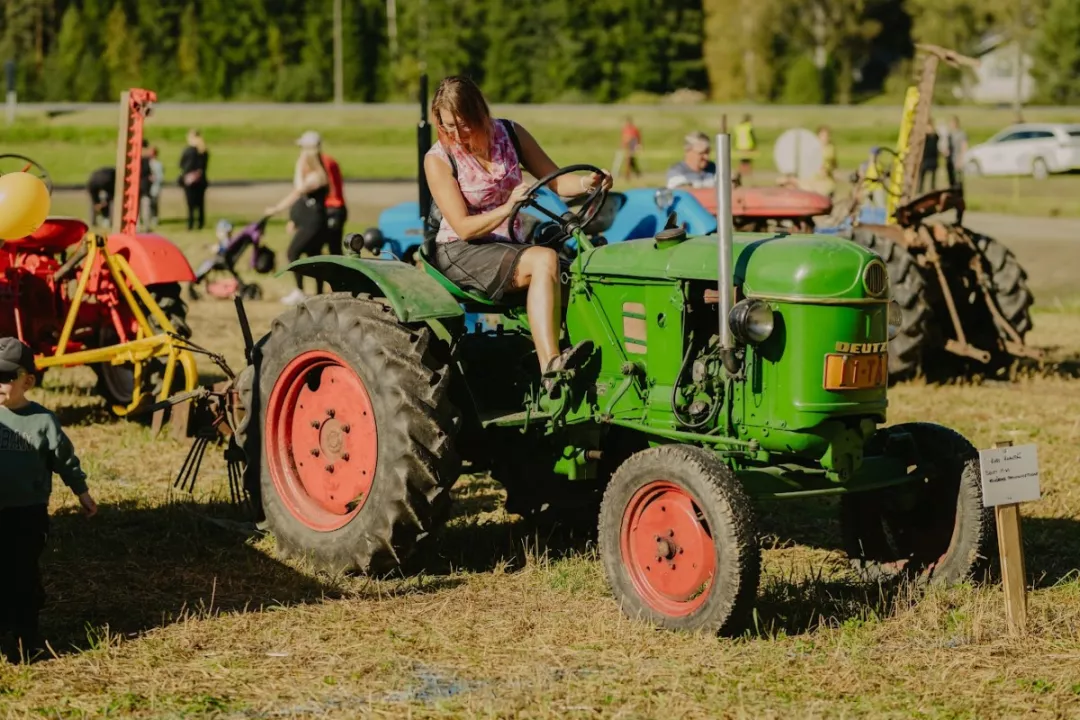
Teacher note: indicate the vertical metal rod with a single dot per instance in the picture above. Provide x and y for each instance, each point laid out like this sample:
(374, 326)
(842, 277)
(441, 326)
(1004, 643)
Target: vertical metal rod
(725, 232)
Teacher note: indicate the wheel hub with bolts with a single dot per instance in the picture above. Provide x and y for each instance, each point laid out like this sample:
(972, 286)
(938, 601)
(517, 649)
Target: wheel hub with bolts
(323, 466)
(668, 548)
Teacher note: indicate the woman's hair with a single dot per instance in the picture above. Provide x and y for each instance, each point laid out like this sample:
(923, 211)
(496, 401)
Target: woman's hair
(195, 139)
(460, 96)
(309, 161)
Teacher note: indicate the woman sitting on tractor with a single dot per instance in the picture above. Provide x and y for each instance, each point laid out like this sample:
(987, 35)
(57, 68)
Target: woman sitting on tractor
(475, 248)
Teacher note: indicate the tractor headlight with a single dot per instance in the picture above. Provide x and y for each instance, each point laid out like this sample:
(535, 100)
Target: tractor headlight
(751, 321)
(896, 319)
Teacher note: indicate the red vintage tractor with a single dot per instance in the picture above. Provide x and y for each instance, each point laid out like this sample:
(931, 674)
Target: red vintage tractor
(79, 298)
(764, 209)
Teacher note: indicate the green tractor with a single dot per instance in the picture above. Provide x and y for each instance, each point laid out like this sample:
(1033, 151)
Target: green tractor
(723, 369)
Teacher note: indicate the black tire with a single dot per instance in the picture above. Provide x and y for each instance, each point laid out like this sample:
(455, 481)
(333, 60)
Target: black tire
(707, 488)
(1009, 282)
(908, 288)
(116, 383)
(936, 533)
(406, 374)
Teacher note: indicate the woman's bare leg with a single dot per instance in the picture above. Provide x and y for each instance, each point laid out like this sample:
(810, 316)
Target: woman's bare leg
(538, 270)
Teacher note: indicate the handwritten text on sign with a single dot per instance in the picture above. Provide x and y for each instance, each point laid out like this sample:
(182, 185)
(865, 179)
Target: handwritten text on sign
(1009, 475)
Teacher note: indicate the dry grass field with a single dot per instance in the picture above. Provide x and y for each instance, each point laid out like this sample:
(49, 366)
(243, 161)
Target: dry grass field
(169, 605)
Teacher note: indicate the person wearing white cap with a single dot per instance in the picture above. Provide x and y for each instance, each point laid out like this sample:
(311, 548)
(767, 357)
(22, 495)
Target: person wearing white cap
(307, 207)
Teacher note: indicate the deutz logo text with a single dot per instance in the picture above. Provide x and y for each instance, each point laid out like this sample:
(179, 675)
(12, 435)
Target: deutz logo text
(862, 348)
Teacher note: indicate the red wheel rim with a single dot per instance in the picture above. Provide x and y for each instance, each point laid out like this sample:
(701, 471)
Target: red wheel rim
(667, 549)
(321, 441)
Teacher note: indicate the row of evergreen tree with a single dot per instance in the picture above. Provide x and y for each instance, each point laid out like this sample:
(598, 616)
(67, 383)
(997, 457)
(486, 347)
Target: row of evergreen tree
(550, 50)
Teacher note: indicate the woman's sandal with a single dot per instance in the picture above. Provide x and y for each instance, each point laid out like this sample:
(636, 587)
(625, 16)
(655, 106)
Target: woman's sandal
(568, 359)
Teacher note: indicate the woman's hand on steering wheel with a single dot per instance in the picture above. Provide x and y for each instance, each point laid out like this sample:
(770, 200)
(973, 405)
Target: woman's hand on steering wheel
(596, 194)
(602, 178)
(520, 194)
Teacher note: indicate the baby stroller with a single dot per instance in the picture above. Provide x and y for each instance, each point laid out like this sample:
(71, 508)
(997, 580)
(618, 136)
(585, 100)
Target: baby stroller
(228, 250)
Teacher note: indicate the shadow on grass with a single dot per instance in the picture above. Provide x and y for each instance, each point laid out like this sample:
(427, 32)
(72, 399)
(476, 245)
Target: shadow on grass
(794, 606)
(480, 537)
(135, 568)
(80, 415)
(1051, 549)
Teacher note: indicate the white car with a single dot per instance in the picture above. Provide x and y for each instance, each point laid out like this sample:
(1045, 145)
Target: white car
(1035, 149)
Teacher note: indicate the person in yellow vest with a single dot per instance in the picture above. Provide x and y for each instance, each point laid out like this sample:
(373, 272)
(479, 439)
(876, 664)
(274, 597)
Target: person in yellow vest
(745, 144)
(873, 183)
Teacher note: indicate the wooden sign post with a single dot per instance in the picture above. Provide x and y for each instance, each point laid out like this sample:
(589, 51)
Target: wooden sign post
(1010, 476)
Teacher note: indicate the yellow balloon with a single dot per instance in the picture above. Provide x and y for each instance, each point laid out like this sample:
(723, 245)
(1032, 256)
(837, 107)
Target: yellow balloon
(24, 204)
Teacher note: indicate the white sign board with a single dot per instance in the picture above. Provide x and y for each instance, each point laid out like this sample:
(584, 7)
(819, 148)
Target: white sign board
(1009, 474)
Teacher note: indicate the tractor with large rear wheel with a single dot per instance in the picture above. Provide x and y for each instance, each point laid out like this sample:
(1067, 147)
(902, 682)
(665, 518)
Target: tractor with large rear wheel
(718, 370)
(966, 301)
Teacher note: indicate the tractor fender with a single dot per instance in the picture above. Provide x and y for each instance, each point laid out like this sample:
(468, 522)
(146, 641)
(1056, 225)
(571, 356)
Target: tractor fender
(413, 294)
(153, 258)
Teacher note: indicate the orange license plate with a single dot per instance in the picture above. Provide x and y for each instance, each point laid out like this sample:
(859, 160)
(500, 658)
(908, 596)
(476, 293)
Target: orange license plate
(856, 372)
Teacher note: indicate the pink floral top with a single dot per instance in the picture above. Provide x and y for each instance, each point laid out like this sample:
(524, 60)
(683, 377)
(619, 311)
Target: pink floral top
(483, 191)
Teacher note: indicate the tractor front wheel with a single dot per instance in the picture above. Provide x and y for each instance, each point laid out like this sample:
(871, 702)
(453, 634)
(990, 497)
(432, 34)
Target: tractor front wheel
(934, 532)
(678, 541)
(357, 434)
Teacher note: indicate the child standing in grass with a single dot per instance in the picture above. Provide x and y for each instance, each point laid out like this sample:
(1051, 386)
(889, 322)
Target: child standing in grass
(33, 446)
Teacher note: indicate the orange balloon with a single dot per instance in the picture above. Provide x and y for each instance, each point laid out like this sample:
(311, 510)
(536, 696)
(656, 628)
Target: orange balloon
(24, 205)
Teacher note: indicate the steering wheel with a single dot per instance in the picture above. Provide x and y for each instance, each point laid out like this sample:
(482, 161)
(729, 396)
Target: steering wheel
(10, 163)
(568, 222)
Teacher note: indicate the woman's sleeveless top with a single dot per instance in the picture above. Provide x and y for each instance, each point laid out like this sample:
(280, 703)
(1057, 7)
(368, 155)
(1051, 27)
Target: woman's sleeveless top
(483, 191)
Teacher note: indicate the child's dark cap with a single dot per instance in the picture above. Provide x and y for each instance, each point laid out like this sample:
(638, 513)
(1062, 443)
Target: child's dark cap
(15, 354)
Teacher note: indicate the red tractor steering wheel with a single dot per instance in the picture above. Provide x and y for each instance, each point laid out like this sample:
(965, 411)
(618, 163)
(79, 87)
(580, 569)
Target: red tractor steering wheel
(10, 163)
(570, 221)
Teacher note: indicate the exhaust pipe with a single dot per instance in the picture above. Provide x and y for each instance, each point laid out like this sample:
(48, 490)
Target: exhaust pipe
(725, 233)
(423, 144)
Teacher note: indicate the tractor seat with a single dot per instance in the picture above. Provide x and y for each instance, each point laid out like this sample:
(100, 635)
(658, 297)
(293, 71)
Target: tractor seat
(55, 235)
(465, 296)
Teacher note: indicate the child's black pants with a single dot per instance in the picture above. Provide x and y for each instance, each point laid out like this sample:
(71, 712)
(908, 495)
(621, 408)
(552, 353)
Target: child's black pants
(23, 534)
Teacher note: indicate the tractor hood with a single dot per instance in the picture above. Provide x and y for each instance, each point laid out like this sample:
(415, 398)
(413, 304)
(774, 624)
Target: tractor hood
(781, 267)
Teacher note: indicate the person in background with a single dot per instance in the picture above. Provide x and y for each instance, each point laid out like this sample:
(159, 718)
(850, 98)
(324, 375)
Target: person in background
(745, 145)
(870, 179)
(957, 145)
(101, 185)
(695, 169)
(157, 179)
(33, 446)
(336, 211)
(929, 166)
(825, 181)
(194, 161)
(630, 146)
(307, 210)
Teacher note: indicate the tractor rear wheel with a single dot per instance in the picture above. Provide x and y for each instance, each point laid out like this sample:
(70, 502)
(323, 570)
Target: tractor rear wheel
(908, 289)
(357, 433)
(935, 532)
(678, 541)
(1009, 281)
(116, 383)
